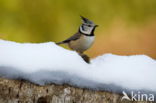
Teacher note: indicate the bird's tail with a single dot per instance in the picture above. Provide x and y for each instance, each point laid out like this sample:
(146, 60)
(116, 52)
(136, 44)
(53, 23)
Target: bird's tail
(60, 43)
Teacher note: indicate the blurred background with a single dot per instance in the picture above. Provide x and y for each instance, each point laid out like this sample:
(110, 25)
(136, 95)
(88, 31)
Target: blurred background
(125, 26)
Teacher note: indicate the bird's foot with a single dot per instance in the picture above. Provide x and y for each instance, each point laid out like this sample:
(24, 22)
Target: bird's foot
(85, 58)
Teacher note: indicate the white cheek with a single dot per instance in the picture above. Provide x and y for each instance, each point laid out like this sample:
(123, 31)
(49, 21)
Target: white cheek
(87, 31)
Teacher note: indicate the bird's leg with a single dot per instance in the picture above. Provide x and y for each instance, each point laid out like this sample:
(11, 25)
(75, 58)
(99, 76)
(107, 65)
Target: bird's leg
(85, 57)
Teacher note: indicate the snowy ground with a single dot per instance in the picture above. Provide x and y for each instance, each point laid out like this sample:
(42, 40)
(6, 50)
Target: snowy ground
(46, 63)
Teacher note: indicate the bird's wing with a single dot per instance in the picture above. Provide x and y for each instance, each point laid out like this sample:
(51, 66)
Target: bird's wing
(72, 38)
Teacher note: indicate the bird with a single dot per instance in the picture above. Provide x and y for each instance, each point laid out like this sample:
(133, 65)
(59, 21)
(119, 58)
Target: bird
(84, 38)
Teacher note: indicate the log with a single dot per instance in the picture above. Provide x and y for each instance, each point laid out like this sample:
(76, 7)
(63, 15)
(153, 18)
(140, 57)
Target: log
(19, 91)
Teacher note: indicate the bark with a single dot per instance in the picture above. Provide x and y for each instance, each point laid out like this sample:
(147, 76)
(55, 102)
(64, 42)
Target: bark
(16, 91)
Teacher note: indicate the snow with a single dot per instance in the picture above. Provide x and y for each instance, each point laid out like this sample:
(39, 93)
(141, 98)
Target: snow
(46, 63)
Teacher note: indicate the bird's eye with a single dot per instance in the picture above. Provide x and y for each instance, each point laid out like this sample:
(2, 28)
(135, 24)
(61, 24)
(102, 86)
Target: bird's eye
(89, 25)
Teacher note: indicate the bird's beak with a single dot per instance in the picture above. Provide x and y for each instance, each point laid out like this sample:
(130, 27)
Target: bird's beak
(96, 25)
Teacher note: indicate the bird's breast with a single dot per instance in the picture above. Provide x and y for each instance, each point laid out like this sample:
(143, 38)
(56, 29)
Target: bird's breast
(82, 44)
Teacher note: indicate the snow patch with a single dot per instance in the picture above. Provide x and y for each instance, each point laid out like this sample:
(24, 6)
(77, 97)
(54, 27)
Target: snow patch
(46, 63)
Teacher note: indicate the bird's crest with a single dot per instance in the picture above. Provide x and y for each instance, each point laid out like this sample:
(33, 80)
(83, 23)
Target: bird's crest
(86, 21)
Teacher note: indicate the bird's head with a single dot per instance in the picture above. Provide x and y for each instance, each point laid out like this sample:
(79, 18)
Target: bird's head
(87, 26)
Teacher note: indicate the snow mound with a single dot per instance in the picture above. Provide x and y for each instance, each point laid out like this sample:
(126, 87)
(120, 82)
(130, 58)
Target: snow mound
(46, 63)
